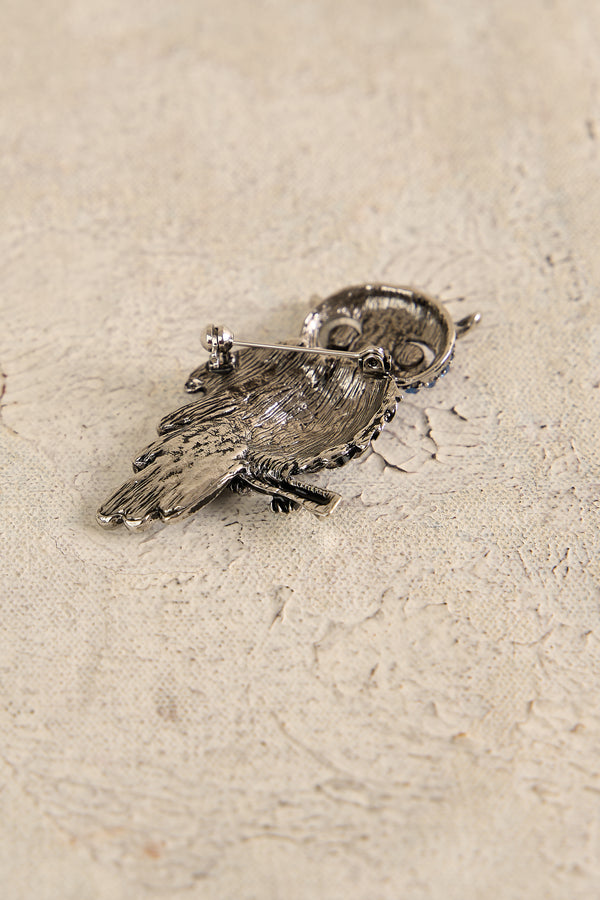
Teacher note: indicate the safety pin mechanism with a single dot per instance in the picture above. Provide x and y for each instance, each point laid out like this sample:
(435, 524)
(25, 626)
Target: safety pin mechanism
(219, 342)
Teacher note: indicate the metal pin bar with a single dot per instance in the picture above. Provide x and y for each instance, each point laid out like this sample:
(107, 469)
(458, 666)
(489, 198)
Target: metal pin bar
(219, 342)
(323, 351)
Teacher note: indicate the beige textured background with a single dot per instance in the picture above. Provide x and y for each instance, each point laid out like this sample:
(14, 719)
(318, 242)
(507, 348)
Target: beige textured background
(402, 701)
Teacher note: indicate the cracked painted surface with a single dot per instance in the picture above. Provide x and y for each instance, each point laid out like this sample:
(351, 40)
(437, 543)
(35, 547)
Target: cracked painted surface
(402, 700)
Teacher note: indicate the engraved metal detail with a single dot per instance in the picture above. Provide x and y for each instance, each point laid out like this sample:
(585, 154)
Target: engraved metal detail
(270, 413)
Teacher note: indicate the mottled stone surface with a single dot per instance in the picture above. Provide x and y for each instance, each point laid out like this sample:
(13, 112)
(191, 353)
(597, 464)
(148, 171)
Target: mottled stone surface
(402, 701)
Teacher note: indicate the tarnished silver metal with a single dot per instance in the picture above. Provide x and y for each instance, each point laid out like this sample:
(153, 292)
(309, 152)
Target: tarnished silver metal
(270, 413)
(219, 341)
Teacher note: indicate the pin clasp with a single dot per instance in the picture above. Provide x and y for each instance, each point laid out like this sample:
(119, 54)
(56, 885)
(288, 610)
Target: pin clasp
(219, 341)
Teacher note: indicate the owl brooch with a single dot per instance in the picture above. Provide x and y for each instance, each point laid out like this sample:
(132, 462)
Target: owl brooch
(266, 415)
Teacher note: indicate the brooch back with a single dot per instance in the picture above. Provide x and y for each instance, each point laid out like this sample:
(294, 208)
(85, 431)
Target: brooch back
(270, 413)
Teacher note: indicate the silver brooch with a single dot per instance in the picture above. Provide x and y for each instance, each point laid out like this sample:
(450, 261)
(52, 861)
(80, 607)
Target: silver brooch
(268, 414)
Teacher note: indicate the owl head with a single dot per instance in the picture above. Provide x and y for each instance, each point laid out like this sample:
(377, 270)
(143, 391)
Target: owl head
(414, 328)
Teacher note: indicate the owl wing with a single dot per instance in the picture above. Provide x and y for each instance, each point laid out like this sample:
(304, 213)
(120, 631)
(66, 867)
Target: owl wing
(194, 415)
(177, 475)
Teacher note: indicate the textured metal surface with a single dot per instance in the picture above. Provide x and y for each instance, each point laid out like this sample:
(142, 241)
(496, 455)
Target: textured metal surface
(414, 328)
(269, 415)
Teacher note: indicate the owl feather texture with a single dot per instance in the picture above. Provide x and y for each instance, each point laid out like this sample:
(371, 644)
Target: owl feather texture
(270, 415)
(273, 417)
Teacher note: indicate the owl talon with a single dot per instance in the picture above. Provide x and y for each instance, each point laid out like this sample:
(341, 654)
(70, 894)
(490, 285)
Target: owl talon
(239, 487)
(283, 505)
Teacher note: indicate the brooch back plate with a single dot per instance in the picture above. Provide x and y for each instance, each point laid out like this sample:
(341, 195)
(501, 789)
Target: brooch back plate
(269, 414)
